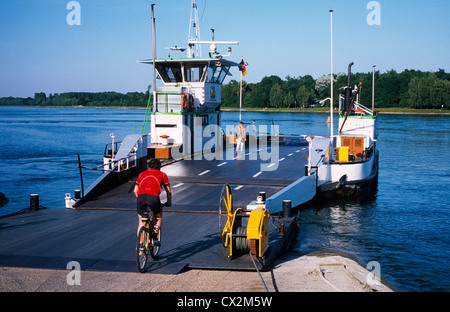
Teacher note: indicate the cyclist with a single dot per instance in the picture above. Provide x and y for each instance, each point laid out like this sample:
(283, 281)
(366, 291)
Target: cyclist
(147, 189)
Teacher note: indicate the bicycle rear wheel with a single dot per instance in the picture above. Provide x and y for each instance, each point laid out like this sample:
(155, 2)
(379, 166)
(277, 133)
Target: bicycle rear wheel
(154, 248)
(142, 248)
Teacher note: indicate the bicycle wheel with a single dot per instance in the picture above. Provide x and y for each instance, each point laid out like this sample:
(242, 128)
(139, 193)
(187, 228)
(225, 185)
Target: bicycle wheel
(142, 249)
(154, 248)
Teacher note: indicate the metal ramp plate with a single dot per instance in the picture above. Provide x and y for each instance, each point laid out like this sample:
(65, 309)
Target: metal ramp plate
(101, 235)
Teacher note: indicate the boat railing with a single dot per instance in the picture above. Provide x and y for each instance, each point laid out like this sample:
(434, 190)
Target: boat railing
(131, 148)
(360, 107)
(109, 150)
(118, 165)
(125, 163)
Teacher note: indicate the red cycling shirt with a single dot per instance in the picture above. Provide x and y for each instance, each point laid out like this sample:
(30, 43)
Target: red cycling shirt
(151, 181)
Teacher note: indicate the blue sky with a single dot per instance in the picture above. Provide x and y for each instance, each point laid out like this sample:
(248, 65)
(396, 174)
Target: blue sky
(40, 52)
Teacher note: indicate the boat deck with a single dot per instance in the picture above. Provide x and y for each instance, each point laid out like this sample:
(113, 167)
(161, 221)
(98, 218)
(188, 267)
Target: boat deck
(101, 234)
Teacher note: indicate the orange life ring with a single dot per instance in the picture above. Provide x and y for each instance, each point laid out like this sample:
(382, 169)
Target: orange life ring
(184, 101)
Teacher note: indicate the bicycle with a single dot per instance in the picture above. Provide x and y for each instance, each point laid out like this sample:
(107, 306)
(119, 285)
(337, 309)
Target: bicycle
(148, 241)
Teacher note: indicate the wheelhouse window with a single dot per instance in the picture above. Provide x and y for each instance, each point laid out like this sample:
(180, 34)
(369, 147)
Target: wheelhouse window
(217, 72)
(170, 72)
(195, 72)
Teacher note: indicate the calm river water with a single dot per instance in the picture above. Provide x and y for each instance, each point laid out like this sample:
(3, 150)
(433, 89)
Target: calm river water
(405, 228)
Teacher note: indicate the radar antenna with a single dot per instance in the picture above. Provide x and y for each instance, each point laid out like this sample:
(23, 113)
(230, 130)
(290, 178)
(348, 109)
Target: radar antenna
(194, 50)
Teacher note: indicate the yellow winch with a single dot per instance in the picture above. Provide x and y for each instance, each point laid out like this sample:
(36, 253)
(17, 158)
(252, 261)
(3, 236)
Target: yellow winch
(258, 231)
(240, 238)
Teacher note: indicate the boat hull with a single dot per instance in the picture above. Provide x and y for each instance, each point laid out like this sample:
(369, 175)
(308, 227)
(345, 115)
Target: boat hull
(359, 181)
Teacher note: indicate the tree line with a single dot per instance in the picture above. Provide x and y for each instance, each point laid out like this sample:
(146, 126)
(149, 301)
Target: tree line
(86, 99)
(408, 89)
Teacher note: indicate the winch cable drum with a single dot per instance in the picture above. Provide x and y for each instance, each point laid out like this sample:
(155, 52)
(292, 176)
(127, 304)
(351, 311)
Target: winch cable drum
(242, 239)
(241, 243)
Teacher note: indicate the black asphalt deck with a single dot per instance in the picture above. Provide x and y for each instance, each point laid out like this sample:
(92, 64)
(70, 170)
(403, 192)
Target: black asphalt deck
(101, 235)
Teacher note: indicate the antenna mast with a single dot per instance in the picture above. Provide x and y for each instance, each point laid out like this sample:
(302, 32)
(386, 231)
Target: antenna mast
(194, 49)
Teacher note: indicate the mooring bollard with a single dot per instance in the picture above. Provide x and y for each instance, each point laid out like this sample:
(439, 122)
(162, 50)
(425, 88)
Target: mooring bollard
(263, 196)
(34, 202)
(287, 208)
(70, 201)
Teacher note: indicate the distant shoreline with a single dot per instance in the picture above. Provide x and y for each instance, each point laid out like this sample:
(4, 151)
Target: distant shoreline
(321, 110)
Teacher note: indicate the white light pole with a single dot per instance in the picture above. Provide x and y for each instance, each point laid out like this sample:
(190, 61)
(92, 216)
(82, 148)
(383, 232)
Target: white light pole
(155, 108)
(331, 100)
(240, 99)
(373, 88)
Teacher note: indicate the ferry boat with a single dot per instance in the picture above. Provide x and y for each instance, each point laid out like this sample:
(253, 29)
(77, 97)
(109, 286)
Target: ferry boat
(350, 165)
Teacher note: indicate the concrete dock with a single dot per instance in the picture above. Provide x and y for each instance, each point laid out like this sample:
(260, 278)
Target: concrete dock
(291, 273)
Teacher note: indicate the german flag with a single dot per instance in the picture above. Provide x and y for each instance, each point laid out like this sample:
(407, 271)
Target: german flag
(242, 67)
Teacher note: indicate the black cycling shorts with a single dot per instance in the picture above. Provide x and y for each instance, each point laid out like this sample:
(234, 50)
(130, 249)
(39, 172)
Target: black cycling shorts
(144, 202)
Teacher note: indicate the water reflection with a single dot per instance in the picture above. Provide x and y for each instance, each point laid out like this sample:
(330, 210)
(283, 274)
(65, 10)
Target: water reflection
(336, 226)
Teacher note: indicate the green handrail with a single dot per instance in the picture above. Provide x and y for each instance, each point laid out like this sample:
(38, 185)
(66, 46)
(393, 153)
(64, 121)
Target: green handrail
(147, 110)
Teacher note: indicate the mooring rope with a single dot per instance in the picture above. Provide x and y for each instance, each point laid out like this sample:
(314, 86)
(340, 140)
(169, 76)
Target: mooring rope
(134, 209)
(260, 276)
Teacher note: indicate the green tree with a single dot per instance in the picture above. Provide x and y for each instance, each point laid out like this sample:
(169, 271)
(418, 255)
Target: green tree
(428, 92)
(40, 98)
(289, 100)
(304, 96)
(277, 94)
(323, 86)
(261, 95)
(230, 94)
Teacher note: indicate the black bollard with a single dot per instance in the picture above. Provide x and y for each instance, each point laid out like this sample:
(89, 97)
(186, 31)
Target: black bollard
(287, 208)
(34, 202)
(263, 196)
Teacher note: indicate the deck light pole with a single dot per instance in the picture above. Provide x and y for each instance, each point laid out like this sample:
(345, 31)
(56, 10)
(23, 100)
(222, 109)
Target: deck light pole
(373, 88)
(240, 99)
(155, 108)
(331, 99)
